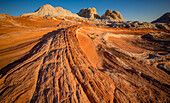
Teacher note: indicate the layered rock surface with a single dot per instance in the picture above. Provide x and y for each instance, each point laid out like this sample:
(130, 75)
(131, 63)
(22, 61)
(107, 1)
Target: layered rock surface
(52, 61)
(89, 13)
(112, 15)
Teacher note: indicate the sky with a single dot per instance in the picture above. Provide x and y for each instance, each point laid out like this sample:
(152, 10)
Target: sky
(131, 10)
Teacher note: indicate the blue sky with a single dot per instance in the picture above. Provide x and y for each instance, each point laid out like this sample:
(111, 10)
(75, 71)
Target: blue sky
(131, 10)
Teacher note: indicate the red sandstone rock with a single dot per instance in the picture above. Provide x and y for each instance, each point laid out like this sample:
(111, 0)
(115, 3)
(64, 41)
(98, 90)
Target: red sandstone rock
(40, 62)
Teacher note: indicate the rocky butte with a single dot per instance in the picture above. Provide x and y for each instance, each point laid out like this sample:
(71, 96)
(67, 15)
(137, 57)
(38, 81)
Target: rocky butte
(163, 19)
(54, 56)
(48, 10)
(89, 13)
(112, 15)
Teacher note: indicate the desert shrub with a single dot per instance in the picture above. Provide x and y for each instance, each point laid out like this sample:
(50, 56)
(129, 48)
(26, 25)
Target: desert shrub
(93, 34)
(93, 38)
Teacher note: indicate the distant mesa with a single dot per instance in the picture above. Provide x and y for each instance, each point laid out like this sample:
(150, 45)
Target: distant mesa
(112, 15)
(163, 19)
(89, 13)
(48, 10)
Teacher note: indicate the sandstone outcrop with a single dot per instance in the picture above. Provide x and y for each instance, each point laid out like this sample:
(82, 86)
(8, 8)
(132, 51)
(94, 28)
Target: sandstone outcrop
(163, 19)
(130, 24)
(89, 13)
(73, 60)
(112, 15)
(48, 10)
(4, 16)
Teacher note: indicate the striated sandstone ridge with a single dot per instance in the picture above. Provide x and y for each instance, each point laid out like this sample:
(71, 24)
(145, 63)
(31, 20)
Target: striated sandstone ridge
(163, 19)
(112, 15)
(73, 60)
(89, 13)
(48, 10)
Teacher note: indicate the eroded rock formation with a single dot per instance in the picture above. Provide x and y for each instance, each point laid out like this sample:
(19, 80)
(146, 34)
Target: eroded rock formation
(89, 13)
(163, 19)
(48, 10)
(46, 60)
(112, 15)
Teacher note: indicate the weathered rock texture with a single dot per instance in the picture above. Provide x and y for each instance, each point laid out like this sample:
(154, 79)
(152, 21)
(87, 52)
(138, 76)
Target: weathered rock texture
(48, 10)
(3, 16)
(89, 13)
(163, 19)
(43, 60)
(112, 15)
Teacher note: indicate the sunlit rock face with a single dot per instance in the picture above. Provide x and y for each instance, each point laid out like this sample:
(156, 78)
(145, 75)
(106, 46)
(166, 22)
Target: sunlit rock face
(112, 15)
(48, 10)
(89, 13)
(80, 60)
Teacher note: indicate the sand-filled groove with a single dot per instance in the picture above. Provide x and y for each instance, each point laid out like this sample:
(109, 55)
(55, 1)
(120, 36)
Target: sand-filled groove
(61, 67)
